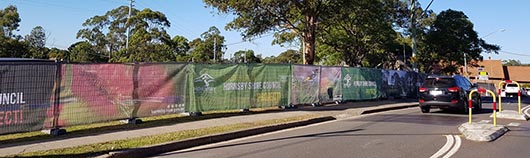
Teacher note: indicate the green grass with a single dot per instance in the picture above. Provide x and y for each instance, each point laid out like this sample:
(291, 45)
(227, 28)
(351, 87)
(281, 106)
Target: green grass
(112, 126)
(101, 148)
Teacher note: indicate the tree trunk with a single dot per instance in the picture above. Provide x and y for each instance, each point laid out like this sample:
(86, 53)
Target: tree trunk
(309, 39)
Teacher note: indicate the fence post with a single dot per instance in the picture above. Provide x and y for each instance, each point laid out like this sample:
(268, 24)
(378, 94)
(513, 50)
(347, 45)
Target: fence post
(135, 97)
(56, 130)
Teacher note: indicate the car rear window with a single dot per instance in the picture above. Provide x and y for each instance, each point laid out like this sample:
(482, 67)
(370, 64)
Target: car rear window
(439, 82)
(511, 85)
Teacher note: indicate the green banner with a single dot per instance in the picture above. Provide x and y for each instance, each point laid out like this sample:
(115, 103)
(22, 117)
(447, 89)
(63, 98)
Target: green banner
(330, 84)
(361, 83)
(229, 87)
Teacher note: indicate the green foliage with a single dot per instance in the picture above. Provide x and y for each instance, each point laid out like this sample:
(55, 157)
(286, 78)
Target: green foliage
(285, 17)
(36, 41)
(289, 56)
(246, 56)
(83, 52)
(448, 39)
(211, 43)
(58, 54)
(361, 29)
(9, 19)
(512, 62)
(11, 45)
(148, 38)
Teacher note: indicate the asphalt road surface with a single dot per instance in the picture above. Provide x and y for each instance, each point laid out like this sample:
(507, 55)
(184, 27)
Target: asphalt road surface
(401, 133)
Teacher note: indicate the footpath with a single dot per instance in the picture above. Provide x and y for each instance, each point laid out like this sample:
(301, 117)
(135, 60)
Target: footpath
(325, 113)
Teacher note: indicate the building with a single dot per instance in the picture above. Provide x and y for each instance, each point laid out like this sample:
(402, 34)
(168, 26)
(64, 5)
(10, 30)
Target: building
(497, 72)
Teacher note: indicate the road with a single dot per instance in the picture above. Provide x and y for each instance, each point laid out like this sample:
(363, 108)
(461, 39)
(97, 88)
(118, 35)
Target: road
(399, 133)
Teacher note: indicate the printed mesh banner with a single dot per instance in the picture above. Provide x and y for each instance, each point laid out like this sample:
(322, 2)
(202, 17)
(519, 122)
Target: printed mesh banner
(401, 84)
(330, 84)
(161, 89)
(25, 95)
(361, 83)
(103, 92)
(229, 87)
(305, 84)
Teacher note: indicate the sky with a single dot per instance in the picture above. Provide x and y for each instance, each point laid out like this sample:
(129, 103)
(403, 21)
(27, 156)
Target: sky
(506, 24)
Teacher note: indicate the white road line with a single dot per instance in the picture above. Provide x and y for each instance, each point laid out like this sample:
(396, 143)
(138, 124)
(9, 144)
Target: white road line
(445, 148)
(455, 148)
(525, 109)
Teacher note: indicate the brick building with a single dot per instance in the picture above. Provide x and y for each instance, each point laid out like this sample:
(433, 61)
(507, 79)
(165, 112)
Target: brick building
(497, 72)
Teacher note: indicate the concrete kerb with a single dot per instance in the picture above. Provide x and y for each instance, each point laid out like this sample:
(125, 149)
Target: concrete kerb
(178, 145)
(482, 131)
(193, 142)
(511, 114)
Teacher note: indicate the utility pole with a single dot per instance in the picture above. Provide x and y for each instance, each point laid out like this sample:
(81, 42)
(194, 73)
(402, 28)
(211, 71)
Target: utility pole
(127, 25)
(465, 65)
(214, 48)
(413, 33)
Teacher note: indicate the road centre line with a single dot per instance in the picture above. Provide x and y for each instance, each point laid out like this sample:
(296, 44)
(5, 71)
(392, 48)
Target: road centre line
(448, 143)
(451, 146)
(455, 148)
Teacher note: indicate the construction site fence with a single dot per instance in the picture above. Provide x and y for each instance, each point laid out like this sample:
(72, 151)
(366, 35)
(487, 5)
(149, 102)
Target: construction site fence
(47, 95)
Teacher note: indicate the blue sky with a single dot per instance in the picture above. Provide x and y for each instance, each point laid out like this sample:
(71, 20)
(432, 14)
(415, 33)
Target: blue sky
(63, 18)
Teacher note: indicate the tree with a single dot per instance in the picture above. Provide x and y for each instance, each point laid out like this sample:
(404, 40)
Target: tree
(210, 44)
(181, 48)
(360, 29)
(9, 19)
(11, 45)
(289, 56)
(448, 39)
(58, 54)
(36, 41)
(148, 37)
(511, 62)
(246, 56)
(83, 52)
(285, 17)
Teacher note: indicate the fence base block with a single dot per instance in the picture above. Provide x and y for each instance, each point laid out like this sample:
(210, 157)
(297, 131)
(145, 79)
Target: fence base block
(133, 121)
(195, 114)
(244, 110)
(55, 131)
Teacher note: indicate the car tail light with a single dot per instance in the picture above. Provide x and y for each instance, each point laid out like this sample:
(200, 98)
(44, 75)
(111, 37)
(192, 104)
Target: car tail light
(422, 101)
(422, 89)
(454, 101)
(453, 89)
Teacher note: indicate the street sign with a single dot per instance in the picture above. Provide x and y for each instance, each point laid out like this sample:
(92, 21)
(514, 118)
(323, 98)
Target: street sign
(483, 75)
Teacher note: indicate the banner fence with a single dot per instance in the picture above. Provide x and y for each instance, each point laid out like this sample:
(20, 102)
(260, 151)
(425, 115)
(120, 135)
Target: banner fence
(35, 96)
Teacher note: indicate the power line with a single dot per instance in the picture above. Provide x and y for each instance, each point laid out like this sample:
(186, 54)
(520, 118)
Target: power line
(179, 29)
(526, 55)
(243, 41)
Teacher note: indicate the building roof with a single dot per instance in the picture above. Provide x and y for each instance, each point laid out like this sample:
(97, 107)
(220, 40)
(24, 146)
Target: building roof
(493, 67)
(518, 73)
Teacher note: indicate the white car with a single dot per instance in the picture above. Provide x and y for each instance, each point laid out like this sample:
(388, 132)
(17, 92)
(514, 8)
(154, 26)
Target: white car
(511, 90)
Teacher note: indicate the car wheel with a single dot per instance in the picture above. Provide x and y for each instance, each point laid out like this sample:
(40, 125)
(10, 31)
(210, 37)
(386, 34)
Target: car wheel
(425, 109)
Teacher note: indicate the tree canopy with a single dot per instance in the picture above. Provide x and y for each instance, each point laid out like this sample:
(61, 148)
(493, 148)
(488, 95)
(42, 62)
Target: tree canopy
(148, 38)
(284, 17)
(449, 40)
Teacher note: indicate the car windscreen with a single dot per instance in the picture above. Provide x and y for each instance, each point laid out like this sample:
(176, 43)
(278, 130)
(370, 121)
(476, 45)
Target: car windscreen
(439, 83)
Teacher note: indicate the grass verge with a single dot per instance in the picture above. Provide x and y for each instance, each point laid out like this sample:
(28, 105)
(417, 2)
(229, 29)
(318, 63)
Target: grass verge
(112, 126)
(102, 148)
